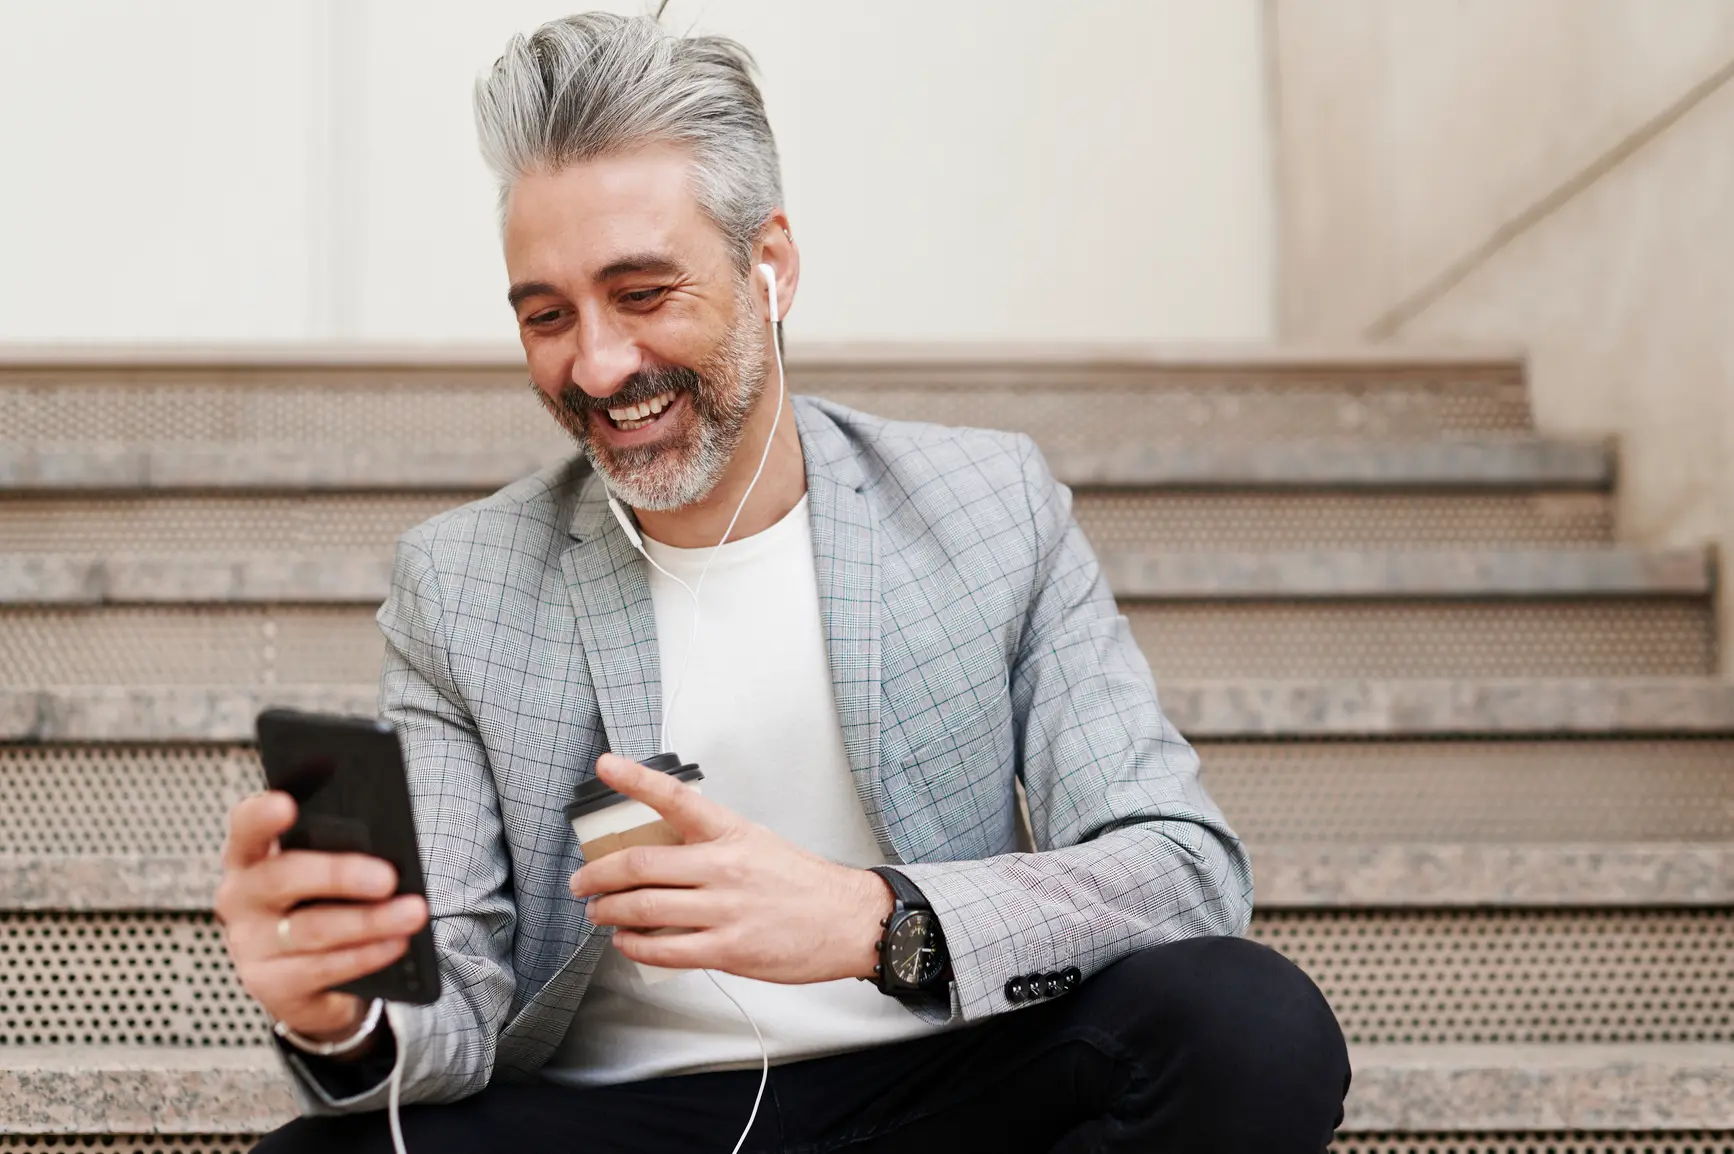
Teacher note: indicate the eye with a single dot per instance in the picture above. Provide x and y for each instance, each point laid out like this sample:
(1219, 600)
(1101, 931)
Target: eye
(546, 316)
(644, 296)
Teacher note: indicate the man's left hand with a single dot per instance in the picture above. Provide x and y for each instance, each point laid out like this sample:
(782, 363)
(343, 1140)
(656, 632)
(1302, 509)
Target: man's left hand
(758, 906)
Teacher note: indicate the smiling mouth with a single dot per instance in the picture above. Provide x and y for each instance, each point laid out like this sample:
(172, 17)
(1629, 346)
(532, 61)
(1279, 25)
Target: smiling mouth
(630, 418)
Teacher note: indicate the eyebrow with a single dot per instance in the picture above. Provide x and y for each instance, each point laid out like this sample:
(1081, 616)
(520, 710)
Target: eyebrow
(642, 263)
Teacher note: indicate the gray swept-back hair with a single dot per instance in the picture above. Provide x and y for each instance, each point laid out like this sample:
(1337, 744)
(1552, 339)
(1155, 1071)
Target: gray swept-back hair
(598, 83)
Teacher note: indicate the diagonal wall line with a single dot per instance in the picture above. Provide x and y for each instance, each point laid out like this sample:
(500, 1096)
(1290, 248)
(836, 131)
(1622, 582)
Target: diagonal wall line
(1418, 302)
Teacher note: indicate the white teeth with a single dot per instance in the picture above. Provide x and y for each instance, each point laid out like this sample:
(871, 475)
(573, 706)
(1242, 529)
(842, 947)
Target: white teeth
(638, 412)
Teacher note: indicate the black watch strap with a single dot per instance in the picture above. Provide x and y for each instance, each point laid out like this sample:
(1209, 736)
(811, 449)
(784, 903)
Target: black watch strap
(903, 889)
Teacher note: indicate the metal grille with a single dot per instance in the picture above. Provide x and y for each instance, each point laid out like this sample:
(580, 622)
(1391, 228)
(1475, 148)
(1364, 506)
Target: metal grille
(141, 799)
(1066, 409)
(132, 1143)
(1113, 520)
(1486, 976)
(121, 979)
(173, 645)
(1684, 1142)
(1396, 639)
(1303, 520)
(211, 524)
(1474, 791)
(1530, 976)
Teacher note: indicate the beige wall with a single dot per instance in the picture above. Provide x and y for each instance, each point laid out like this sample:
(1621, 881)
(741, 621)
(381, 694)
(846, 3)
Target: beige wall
(1557, 173)
(205, 170)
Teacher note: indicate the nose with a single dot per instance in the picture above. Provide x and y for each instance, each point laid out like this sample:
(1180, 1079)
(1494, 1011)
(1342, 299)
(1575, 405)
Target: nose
(605, 359)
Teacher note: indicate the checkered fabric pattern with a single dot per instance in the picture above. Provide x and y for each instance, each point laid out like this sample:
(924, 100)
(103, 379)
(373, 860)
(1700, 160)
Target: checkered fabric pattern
(972, 641)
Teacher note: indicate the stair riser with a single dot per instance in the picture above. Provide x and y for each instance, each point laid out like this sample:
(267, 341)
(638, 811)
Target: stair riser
(1172, 520)
(1393, 978)
(1629, 637)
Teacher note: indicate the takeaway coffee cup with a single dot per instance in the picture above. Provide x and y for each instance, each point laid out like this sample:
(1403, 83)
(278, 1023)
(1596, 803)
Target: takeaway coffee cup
(606, 822)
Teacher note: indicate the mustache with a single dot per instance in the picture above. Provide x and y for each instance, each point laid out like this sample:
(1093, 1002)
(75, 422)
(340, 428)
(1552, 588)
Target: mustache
(636, 389)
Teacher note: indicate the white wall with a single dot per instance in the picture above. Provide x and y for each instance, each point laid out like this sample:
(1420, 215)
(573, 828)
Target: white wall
(200, 170)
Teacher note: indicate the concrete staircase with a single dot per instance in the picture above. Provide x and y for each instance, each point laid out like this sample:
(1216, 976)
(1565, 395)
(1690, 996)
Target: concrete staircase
(1480, 750)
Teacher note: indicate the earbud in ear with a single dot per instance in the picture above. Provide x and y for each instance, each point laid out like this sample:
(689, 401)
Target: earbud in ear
(770, 276)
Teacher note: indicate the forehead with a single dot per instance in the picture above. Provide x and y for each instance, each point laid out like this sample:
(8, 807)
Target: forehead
(569, 223)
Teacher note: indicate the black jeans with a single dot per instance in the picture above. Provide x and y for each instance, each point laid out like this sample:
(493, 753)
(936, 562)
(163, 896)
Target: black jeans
(1214, 1045)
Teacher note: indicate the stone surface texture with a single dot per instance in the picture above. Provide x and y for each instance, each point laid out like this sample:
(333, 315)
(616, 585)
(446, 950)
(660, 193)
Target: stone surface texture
(109, 882)
(138, 1090)
(1493, 874)
(1518, 1088)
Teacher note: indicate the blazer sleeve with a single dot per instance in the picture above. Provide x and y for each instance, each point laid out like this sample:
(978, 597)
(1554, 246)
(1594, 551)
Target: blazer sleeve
(1132, 851)
(446, 1049)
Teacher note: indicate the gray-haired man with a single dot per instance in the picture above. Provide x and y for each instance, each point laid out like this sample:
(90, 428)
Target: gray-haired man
(904, 621)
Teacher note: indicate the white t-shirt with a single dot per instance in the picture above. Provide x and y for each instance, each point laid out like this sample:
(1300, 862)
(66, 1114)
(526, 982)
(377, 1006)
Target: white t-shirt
(758, 715)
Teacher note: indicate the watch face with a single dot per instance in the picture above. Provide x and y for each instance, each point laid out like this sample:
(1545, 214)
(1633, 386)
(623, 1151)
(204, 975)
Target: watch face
(914, 949)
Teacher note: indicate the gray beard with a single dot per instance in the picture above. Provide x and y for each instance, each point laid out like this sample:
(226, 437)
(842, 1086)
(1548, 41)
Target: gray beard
(731, 382)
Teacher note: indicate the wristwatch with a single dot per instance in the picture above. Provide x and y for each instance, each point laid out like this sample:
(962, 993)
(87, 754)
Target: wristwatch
(913, 960)
(333, 1049)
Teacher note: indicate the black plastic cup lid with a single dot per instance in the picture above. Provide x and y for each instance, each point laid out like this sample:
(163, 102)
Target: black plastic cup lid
(597, 794)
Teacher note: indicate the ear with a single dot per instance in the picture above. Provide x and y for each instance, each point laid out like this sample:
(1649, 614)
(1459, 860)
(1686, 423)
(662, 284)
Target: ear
(776, 247)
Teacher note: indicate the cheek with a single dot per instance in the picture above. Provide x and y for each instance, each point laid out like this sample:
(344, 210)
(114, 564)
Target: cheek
(550, 368)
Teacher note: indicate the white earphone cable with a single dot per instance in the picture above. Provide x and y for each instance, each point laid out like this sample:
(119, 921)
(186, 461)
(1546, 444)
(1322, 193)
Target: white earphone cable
(692, 591)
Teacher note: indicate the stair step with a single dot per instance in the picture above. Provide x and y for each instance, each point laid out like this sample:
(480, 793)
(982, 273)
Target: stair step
(142, 1090)
(1432, 875)
(1629, 1089)
(287, 465)
(1411, 976)
(1420, 1089)
(337, 576)
(1181, 520)
(1201, 710)
(1447, 874)
(1553, 791)
(1185, 641)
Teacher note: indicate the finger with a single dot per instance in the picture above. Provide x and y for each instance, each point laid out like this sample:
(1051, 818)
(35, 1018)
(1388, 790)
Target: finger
(287, 982)
(279, 883)
(661, 909)
(701, 950)
(321, 929)
(645, 865)
(255, 824)
(693, 815)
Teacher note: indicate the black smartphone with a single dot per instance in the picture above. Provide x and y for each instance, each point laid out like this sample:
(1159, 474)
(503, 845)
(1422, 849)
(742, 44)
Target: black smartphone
(346, 776)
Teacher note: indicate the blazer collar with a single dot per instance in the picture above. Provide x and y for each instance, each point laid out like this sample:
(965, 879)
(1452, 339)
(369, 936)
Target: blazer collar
(606, 579)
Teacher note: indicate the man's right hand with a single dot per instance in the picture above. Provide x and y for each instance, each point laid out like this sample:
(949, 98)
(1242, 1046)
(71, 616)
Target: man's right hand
(291, 974)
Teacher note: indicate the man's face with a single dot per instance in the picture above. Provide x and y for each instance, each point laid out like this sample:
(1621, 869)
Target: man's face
(641, 338)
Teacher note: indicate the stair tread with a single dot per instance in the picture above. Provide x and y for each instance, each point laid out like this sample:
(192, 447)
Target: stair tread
(1635, 1087)
(364, 576)
(1289, 876)
(1200, 709)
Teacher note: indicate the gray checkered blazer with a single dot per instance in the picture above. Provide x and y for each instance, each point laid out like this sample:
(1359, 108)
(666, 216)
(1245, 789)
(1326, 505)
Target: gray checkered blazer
(972, 641)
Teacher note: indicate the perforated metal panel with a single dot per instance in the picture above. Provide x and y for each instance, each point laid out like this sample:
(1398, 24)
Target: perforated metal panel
(1063, 408)
(1474, 791)
(174, 645)
(1184, 641)
(120, 979)
(1395, 639)
(140, 799)
(1684, 1142)
(132, 1143)
(1113, 520)
(207, 524)
(1253, 521)
(1489, 976)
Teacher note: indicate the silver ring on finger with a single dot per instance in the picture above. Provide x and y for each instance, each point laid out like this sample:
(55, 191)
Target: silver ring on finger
(283, 941)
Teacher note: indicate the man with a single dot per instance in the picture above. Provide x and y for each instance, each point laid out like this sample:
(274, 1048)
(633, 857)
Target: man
(904, 621)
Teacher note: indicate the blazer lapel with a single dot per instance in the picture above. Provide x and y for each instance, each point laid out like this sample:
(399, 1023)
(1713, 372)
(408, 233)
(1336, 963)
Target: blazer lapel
(605, 577)
(846, 558)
